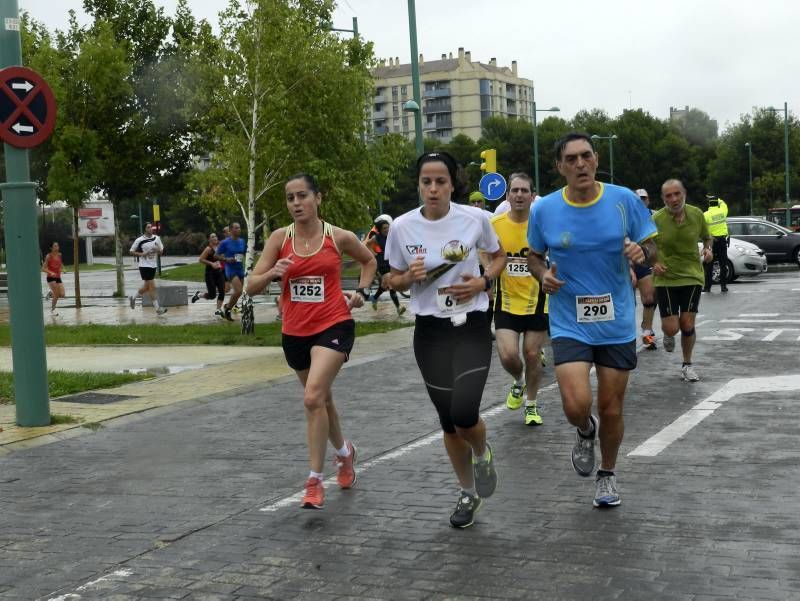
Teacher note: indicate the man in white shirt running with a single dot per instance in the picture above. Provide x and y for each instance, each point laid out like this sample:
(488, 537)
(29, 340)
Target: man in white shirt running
(147, 248)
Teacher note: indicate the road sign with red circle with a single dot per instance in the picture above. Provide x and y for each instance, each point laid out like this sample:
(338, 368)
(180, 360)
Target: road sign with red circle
(27, 108)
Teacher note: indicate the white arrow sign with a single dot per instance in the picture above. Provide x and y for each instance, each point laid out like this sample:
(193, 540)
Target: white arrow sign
(22, 128)
(27, 86)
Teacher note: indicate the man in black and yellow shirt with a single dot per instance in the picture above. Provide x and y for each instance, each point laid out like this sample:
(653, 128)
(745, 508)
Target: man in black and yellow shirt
(520, 306)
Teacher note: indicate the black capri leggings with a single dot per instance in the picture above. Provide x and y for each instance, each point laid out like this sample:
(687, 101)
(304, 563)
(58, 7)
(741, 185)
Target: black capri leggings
(454, 362)
(215, 283)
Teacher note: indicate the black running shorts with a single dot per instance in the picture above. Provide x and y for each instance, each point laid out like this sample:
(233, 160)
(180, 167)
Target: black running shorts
(674, 300)
(617, 356)
(520, 323)
(339, 337)
(147, 273)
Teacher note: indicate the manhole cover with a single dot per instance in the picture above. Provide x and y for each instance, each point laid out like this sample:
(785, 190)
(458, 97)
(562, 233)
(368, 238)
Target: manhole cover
(94, 398)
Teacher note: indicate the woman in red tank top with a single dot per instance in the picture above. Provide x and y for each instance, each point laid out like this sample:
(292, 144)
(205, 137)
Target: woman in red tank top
(51, 266)
(318, 330)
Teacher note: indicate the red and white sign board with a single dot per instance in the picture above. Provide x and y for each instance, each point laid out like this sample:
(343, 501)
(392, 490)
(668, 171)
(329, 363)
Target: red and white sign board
(27, 107)
(96, 219)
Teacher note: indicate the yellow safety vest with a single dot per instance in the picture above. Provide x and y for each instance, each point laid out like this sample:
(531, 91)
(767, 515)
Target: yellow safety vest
(716, 218)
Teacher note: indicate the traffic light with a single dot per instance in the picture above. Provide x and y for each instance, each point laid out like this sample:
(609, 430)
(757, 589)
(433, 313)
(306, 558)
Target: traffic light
(489, 164)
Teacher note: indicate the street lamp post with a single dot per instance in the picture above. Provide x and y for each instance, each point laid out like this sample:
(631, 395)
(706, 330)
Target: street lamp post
(785, 159)
(354, 31)
(610, 139)
(552, 109)
(412, 34)
(750, 173)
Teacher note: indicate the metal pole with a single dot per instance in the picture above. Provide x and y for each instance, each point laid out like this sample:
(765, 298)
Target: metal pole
(355, 27)
(750, 174)
(535, 152)
(786, 155)
(611, 157)
(412, 33)
(24, 284)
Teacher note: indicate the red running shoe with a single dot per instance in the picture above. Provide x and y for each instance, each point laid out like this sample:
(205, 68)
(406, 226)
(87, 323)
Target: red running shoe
(346, 476)
(314, 497)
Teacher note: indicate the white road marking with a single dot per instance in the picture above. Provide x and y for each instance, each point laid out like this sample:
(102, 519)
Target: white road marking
(728, 334)
(295, 499)
(759, 314)
(759, 320)
(775, 332)
(684, 423)
(84, 587)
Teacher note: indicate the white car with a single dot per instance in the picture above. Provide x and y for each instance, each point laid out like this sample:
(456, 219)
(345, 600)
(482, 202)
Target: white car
(744, 259)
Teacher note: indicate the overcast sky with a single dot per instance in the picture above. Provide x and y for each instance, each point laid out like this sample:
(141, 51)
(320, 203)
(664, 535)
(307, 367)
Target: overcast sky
(721, 56)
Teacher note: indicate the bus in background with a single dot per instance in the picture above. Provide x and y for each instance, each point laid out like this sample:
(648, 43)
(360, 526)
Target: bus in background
(778, 215)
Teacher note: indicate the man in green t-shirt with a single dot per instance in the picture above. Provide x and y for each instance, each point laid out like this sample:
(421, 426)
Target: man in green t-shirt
(678, 272)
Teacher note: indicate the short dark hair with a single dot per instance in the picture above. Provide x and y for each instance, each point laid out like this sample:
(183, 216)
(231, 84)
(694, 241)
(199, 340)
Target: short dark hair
(310, 180)
(562, 142)
(523, 176)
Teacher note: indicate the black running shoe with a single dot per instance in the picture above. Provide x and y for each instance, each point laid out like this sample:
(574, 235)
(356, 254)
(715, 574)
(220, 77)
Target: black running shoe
(466, 508)
(485, 475)
(196, 297)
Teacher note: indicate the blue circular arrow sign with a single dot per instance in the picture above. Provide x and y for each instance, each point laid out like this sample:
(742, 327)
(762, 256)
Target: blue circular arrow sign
(493, 186)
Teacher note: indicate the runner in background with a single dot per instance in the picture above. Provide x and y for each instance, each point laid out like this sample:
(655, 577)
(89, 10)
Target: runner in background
(51, 267)
(147, 248)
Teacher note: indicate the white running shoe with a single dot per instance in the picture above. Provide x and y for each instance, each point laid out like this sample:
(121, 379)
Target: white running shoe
(689, 374)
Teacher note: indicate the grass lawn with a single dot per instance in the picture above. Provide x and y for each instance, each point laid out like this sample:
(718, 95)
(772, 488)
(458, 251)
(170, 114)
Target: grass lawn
(85, 267)
(195, 272)
(60, 383)
(222, 333)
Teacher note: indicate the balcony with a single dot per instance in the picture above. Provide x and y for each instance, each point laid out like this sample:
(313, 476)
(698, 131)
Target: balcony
(430, 108)
(379, 98)
(380, 130)
(379, 115)
(437, 93)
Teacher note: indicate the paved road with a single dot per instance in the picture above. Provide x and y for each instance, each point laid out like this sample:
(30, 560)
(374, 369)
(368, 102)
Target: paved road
(199, 501)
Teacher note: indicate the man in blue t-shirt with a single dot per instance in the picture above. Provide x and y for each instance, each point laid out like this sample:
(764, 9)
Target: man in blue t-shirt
(231, 251)
(590, 231)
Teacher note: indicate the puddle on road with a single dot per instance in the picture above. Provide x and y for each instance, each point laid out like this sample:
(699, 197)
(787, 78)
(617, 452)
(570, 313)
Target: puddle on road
(166, 370)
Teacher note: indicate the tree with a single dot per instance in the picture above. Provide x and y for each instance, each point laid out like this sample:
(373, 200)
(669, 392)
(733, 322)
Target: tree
(288, 96)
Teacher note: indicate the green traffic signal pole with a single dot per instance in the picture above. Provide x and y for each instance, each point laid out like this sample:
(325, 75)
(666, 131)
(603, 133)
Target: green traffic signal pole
(22, 248)
(412, 33)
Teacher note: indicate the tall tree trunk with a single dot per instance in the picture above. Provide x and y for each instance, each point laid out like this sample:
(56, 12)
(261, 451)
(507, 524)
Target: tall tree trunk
(251, 186)
(120, 292)
(76, 257)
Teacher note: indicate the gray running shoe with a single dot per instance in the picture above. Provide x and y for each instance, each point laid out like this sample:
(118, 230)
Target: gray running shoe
(689, 374)
(466, 508)
(669, 343)
(583, 451)
(161, 310)
(606, 493)
(485, 475)
(132, 301)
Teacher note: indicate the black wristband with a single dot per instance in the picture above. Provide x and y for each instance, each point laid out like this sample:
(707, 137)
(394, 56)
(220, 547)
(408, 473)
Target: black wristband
(646, 254)
(488, 281)
(364, 292)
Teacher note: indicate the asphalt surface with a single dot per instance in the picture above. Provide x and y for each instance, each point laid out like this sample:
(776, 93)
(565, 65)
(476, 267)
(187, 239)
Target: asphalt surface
(199, 499)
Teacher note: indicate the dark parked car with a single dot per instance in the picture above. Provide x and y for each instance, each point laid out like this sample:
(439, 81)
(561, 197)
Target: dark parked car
(779, 244)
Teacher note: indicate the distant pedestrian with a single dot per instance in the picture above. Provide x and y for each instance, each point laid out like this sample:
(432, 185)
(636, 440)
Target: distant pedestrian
(52, 268)
(231, 252)
(716, 217)
(678, 272)
(376, 243)
(318, 329)
(214, 274)
(433, 250)
(644, 283)
(147, 248)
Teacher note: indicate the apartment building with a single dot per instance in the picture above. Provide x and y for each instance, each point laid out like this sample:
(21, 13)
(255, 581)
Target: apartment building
(458, 95)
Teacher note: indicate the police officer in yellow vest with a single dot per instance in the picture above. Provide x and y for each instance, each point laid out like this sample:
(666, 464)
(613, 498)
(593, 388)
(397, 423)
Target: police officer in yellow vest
(716, 218)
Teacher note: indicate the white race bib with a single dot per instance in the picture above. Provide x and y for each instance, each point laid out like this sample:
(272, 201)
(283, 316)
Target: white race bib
(517, 267)
(238, 257)
(593, 308)
(307, 289)
(450, 305)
